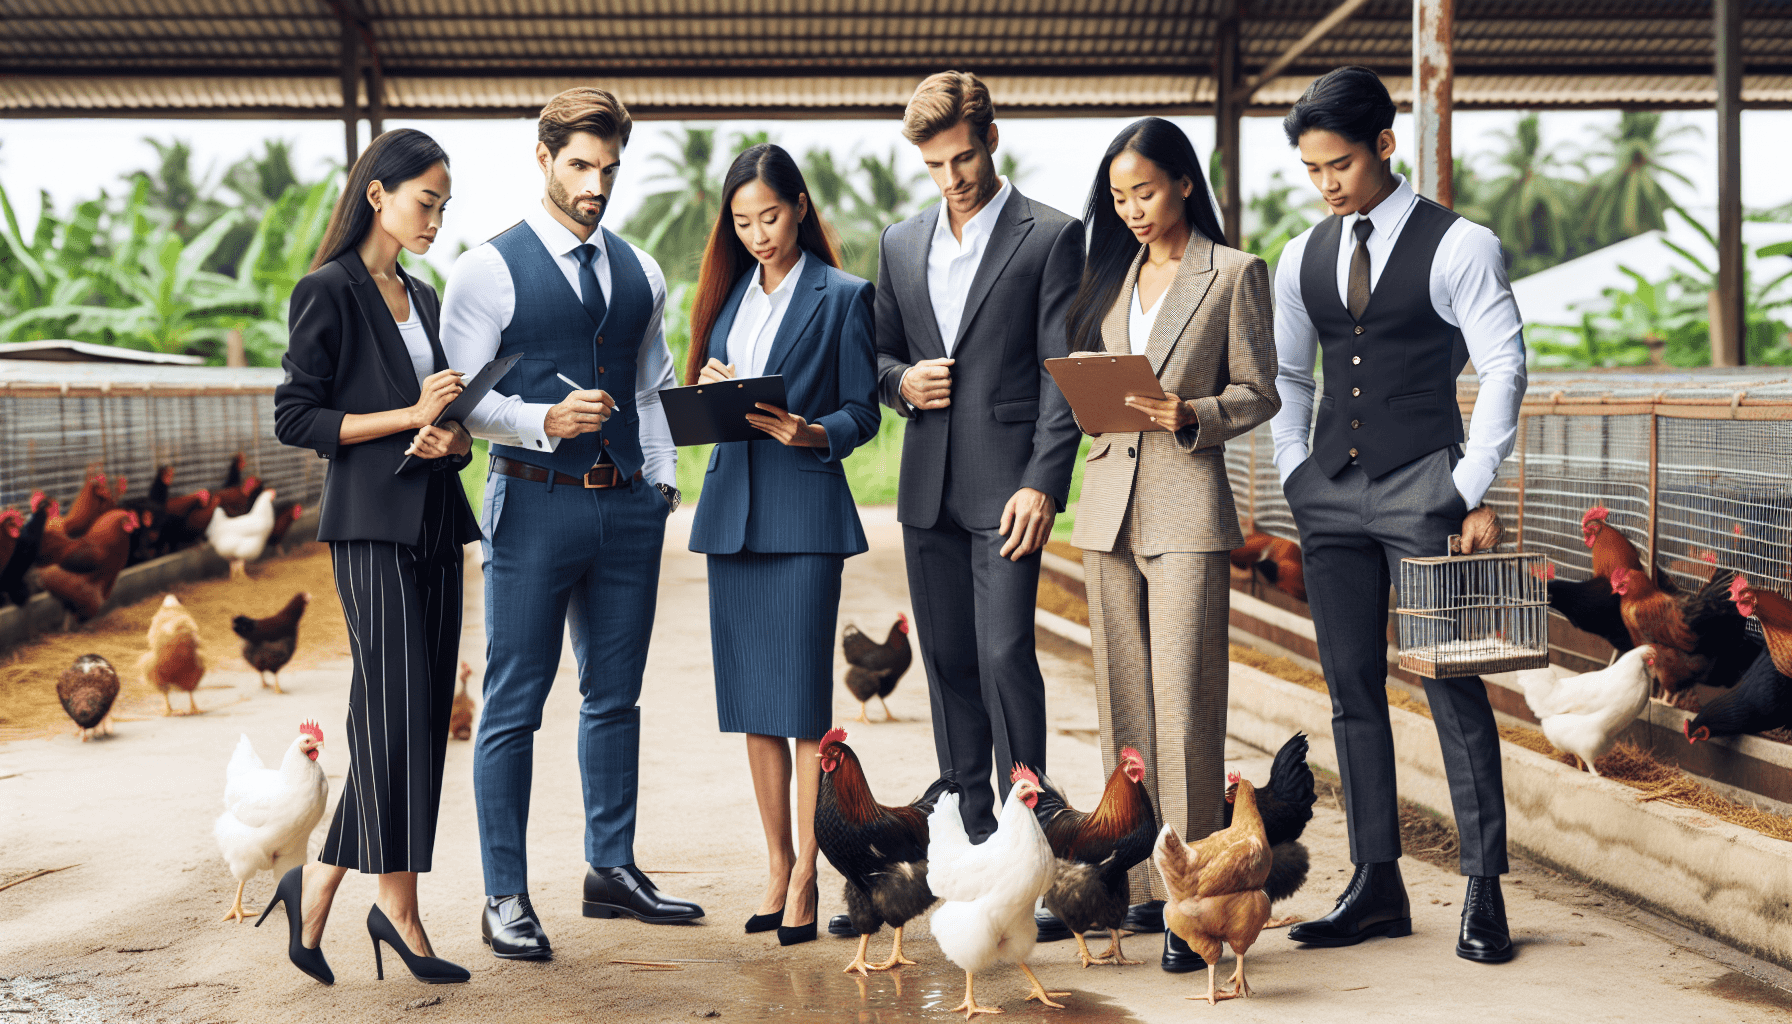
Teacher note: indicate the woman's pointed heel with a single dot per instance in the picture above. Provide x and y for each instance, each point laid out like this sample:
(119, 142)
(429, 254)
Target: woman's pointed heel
(428, 969)
(311, 961)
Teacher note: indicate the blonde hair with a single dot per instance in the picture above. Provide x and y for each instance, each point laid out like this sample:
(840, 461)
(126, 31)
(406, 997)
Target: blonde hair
(582, 109)
(941, 101)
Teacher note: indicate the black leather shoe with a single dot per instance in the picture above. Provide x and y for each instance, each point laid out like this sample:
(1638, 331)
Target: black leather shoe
(1178, 958)
(510, 927)
(1050, 928)
(840, 927)
(1144, 918)
(625, 890)
(1484, 936)
(1374, 903)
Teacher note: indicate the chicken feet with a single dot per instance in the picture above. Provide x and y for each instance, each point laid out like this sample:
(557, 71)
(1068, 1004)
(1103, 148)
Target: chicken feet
(862, 717)
(1112, 954)
(1239, 986)
(887, 716)
(970, 1006)
(1039, 991)
(1283, 922)
(896, 956)
(236, 912)
(858, 962)
(276, 687)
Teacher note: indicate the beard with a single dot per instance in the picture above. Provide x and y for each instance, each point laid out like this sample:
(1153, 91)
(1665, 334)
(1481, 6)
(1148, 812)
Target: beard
(558, 195)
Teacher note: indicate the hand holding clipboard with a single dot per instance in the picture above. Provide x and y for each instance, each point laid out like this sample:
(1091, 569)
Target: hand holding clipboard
(461, 407)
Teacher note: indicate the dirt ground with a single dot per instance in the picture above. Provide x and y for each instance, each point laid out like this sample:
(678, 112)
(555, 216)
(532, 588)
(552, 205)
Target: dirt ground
(130, 931)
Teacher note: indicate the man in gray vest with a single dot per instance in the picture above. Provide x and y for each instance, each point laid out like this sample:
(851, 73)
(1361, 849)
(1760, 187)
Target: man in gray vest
(581, 482)
(1399, 292)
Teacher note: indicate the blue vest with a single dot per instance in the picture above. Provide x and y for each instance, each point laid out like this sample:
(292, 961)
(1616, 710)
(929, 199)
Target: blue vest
(550, 325)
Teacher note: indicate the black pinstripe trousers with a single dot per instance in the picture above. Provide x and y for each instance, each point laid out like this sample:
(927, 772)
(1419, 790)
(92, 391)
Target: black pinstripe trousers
(403, 605)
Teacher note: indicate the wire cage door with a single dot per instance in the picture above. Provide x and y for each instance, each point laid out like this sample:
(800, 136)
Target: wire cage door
(1468, 615)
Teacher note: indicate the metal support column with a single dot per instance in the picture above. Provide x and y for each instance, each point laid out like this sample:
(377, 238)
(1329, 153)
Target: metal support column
(1433, 79)
(1728, 319)
(1228, 113)
(351, 92)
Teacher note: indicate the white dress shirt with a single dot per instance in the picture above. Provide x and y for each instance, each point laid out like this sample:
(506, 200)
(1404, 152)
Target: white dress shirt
(479, 302)
(1469, 291)
(1140, 320)
(756, 322)
(952, 262)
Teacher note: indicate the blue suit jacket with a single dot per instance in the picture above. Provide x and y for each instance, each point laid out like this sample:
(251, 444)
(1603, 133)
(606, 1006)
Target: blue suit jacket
(767, 496)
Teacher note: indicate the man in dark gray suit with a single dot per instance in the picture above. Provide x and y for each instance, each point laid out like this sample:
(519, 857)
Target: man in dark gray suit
(972, 297)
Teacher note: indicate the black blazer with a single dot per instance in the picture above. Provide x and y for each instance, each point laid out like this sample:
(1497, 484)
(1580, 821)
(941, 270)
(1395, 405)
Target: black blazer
(346, 356)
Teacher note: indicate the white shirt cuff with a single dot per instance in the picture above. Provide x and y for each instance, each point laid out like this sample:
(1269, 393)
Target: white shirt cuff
(531, 427)
(1472, 480)
(1289, 459)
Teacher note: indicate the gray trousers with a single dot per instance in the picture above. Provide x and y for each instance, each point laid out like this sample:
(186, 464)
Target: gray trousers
(1353, 533)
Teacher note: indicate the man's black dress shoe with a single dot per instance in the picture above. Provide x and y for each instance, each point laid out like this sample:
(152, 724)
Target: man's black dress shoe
(1050, 928)
(613, 892)
(1484, 936)
(840, 926)
(1374, 903)
(1146, 917)
(510, 927)
(1178, 958)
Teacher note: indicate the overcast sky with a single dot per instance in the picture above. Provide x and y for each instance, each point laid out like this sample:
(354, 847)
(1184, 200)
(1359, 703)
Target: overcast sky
(495, 179)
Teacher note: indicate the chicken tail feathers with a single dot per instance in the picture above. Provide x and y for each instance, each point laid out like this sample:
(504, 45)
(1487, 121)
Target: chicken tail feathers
(1050, 802)
(1290, 779)
(940, 787)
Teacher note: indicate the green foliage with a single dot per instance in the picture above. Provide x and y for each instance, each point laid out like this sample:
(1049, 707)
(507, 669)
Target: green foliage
(1273, 219)
(1531, 206)
(1629, 198)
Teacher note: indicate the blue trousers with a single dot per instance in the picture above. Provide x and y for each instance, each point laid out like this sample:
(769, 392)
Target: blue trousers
(564, 557)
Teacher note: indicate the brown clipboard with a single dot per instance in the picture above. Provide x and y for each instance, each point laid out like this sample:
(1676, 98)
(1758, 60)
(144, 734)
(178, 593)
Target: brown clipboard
(1096, 387)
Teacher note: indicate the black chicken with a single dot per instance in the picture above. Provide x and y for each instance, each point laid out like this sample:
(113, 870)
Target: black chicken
(1761, 701)
(1591, 606)
(1286, 805)
(268, 644)
(873, 668)
(1724, 650)
(1095, 850)
(24, 552)
(87, 689)
(881, 850)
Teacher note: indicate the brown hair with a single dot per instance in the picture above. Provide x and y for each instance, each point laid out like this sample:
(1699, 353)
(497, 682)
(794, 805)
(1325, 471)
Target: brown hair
(943, 100)
(583, 109)
(725, 259)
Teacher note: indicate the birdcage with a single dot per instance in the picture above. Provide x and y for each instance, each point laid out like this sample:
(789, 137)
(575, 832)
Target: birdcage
(1469, 615)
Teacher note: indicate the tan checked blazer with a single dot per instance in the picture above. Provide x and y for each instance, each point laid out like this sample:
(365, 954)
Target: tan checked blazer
(1213, 344)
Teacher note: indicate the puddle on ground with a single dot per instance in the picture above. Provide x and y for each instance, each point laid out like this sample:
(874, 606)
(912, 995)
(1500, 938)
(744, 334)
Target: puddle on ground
(1742, 988)
(768, 992)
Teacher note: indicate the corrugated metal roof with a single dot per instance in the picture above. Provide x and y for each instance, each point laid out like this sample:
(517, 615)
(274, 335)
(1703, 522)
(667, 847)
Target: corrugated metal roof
(469, 56)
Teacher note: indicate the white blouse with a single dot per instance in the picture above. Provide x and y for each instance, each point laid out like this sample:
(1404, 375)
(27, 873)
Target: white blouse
(756, 322)
(1139, 321)
(416, 343)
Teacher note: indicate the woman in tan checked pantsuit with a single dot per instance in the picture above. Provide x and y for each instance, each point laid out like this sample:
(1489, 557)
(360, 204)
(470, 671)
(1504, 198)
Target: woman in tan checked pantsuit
(1156, 518)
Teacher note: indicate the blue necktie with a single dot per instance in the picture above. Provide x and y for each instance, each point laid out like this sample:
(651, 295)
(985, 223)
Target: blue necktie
(589, 293)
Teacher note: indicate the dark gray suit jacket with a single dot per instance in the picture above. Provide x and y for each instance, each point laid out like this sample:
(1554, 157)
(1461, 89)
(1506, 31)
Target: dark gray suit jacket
(1008, 426)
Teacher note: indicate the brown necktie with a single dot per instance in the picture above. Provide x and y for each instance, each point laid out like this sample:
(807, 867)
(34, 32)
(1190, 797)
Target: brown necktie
(1359, 268)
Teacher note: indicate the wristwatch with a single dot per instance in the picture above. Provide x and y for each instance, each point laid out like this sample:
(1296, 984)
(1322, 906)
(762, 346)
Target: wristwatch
(671, 495)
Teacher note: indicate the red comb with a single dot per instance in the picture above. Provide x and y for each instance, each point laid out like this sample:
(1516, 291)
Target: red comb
(1129, 754)
(313, 730)
(834, 735)
(1233, 778)
(1020, 772)
(1546, 571)
(1737, 586)
(1596, 512)
(1736, 529)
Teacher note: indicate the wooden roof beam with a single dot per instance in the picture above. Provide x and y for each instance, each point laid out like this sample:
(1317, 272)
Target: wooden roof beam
(1319, 31)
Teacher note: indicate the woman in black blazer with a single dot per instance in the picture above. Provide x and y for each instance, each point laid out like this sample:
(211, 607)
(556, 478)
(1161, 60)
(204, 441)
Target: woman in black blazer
(365, 378)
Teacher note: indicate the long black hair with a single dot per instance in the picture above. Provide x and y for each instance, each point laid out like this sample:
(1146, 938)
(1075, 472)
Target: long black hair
(392, 159)
(725, 259)
(1112, 245)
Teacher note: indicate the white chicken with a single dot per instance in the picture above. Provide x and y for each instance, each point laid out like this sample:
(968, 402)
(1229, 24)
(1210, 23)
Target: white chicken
(1584, 714)
(240, 539)
(990, 890)
(269, 813)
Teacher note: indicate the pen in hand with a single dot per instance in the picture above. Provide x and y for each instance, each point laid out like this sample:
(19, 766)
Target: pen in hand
(569, 381)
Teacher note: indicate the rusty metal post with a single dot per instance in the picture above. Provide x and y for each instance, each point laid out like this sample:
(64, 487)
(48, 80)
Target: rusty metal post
(1228, 112)
(1433, 84)
(351, 92)
(1728, 320)
(1654, 495)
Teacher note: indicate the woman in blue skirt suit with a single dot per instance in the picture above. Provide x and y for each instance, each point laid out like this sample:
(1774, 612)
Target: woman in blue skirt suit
(775, 516)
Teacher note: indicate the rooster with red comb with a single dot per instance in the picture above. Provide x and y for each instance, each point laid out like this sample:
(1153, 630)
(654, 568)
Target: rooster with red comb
(1095, 850)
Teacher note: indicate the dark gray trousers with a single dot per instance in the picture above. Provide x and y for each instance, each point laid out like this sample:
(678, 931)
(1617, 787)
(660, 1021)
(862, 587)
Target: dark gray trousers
(1353, 533)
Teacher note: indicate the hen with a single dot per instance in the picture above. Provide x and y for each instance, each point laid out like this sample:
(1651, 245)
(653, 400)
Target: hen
(1584, 714)
(11, 523)
(87, 689)
(83, 579)
(268, 643)
(1285, 807)
(882, 851)
(1722, 647)
(460, 716)
(1763, 698)
(873, 668)
(94, 500)
(1095, 850)
(240, 539)
(24, 551)
(173, 660)
(1216, 887)
(1592, 605)
(269, 812)
(184, 518)
(285, 514)
(990, 889)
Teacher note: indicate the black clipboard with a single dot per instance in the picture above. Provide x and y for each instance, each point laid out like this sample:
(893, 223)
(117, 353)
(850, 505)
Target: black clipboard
(1096, 388)
(480, 386)
(713, 413)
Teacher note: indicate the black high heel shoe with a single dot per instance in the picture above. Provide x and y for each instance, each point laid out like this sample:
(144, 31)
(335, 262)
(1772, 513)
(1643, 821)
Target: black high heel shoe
(802, 932)
(765, 922)
(311, 961)
(427, 969)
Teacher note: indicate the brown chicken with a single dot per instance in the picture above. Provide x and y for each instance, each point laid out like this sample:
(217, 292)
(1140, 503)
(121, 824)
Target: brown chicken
(1276, 559)
(1654, 617)
(460, 717)
(173, 660)
(1216, 887)
(94, 501)
(1246, 554)
(268, 643)
(1095, 850)
(872, 668)
(285, 514)
(1611, 548)
(12, 521)
(87, 689)
(236, 501)
(84, 577)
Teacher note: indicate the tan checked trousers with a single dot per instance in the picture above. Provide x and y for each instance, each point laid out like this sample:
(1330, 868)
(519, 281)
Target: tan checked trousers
(1160, 645)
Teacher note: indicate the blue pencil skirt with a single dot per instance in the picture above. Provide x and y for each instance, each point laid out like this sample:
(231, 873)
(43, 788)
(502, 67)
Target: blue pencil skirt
(771, 634)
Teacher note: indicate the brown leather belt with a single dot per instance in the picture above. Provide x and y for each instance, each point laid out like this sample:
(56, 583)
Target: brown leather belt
(598, 478)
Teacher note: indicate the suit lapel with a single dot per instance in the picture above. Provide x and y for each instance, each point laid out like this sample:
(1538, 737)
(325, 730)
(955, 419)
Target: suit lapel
(918, 246)
(804, 301)
(395, 360)
(1011, 228)
(717, 342)
(1193, 277)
